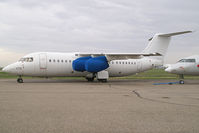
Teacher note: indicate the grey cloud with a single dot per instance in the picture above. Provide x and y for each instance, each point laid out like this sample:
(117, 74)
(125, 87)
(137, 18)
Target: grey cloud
(98, 25)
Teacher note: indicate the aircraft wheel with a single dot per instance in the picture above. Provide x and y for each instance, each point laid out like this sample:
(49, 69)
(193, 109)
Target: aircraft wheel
(20, 80)
(90, 79)
(102, 80)
(181, 82)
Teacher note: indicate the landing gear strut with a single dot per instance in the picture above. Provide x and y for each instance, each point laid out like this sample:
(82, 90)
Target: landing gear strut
(20, 80)
(181, 76)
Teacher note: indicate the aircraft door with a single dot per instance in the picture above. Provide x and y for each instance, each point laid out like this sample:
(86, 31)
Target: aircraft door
(20, 68)
(139, 66)
(42, 61)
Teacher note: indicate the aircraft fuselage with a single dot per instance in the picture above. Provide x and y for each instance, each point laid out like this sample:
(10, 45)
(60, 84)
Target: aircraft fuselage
(49, 64)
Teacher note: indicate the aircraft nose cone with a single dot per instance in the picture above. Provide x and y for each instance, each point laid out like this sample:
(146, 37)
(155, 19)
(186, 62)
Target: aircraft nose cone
(168, 70)
(10, 69)
(4, 69)
(171, 70)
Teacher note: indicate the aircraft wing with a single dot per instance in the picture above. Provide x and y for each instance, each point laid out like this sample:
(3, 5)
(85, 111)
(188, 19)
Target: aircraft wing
(122, 56)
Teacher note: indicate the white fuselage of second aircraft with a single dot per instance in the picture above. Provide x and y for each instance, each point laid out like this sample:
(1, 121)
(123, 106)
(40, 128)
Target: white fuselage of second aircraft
(186, 66)
(50, 64)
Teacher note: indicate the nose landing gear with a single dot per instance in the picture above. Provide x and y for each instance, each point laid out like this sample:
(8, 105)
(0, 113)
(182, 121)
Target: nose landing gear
(20, 80)
(181, 76)
(181, 82)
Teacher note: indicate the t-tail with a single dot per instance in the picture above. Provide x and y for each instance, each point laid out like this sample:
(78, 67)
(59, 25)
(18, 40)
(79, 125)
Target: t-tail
(159, 44)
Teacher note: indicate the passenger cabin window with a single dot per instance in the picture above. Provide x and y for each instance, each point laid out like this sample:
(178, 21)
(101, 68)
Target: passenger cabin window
(50, 60)
(187, 60)
(26, 59)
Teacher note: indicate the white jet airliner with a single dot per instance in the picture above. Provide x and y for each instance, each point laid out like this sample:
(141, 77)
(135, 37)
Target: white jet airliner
(89, 65)
(186, 66)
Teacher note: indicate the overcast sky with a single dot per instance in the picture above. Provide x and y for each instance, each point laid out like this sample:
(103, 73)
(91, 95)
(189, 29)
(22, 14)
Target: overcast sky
(95, 25)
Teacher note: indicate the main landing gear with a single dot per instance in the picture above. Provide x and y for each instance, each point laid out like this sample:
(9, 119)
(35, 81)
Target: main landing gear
(102, 80)
(101, 76)
(90, 79)
(181, 77)
(20, 80)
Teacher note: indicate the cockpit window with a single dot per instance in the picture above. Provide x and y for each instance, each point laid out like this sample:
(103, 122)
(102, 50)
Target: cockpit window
(187, 60)
(27, 59)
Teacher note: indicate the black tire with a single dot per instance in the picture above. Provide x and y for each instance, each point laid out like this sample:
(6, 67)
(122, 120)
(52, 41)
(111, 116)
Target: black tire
(181, 82)
(102, 80)
(20, 80)
(90, 79)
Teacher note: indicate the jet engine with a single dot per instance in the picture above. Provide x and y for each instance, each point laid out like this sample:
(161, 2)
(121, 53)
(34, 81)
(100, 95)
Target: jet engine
(89, 64)
(79, 63)
(96, 64)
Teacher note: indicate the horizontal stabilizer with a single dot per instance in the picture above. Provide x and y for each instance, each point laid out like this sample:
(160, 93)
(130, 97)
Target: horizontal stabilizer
(174, 33)
(159, 42)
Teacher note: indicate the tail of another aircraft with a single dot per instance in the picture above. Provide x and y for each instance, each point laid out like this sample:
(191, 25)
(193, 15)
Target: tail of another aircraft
(160, 42)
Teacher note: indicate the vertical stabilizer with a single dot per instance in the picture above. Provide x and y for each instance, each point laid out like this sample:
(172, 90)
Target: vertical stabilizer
(160, 42)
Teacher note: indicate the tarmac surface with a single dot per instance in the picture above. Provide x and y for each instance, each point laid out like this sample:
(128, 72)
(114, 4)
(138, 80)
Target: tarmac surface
(118, 106)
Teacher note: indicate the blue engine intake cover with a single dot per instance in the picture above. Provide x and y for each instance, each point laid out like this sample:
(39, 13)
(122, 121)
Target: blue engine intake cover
(96, 64)
(79, 63)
